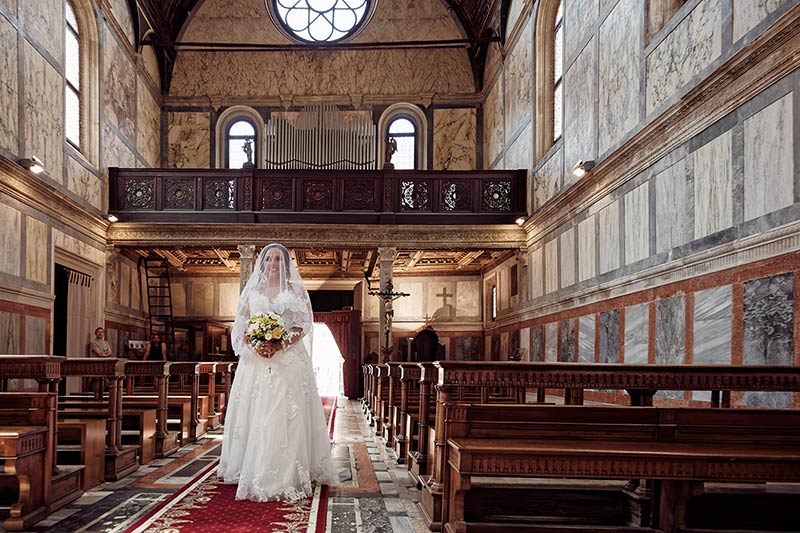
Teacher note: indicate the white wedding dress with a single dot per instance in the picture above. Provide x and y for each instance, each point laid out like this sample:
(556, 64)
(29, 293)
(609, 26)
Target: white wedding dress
(276, 442)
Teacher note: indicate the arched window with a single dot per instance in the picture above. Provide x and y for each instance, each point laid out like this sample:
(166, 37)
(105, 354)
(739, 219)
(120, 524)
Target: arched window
(408, 126)
(237, 127)
(549, 74)
(241, 143)
(72, 71)
(403, 131)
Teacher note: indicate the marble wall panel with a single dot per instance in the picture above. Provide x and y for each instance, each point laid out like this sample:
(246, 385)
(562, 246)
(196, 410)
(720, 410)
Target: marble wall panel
(537, 272)
(579, 17)
(537, 345)
(586, 248)
(567, 262)
(713, 329)
(10, 240)
(748, 13)
(568, 352)
(410, 307)
(637, 224)
(136, 290)
(11, 5)
(468, 298)
(119, 88)
(608, 237)
(579, 110)
(586, 330)
(121, 11)
(454, 134)
(125, 285)
(441, 300)
(768, 331)
(36, 336)
(518, 83)
(514, 11)
(9, 83)
(202, 299)
(322, 72)
(671, 337)
(673, 225)
(466, 348)
(115, 151)
(150, 62)
(769, 159)
(619, 66)
(493, 110)
(503, 346)
(9, 333)
(85, 184)
(228, 299)
(686, 52)
(188, 138)
(44, 20)
(178, 293)
(608, 351)
(372, 306)
(713, 197)
(519, 154)
(148, 132)
(525, 344)
(551, 342)
(77, 247)
(36, 247)
(43, 112)
(548, 179)
(637, 333)
(551, 266)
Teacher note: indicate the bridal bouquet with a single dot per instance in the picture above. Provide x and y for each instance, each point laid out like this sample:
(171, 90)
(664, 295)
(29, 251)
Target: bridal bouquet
(267, 327)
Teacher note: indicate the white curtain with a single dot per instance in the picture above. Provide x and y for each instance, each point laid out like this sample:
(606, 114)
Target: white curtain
(80, 315)
(327, 361)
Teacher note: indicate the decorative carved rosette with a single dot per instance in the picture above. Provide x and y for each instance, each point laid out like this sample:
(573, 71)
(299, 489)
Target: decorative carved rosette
(318, 194)
(276, 194)
(496, 196)
(415, 195)
(456, 196)
(359, 195)
(179, 193)
(139, 193)
(219, 194)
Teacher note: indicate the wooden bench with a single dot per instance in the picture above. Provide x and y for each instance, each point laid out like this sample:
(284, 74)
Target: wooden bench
(641, 382)
(679, 448)
(81, 441)
(166, 441)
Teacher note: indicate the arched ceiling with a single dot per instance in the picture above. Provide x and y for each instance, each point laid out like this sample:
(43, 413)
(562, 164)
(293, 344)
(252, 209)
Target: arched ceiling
(162, 22)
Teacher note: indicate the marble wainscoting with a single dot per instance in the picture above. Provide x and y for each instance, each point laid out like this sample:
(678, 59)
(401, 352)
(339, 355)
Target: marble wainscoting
(768, 331)
(713, 329)
(547, 180)
(466, 348)
(586, 335)
(671, 336)
(9, 86)
(568, 352)
(537, 346)
(551, 342)
(609, 336)
(637, 333)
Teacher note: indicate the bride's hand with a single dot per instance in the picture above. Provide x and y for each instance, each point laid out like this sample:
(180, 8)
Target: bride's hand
(267, 349)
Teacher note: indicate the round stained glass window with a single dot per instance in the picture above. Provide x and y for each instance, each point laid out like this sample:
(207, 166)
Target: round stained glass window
(321, 21)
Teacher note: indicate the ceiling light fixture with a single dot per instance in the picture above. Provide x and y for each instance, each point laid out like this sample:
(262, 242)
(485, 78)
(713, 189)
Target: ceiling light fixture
(582, 167)
(34, 164)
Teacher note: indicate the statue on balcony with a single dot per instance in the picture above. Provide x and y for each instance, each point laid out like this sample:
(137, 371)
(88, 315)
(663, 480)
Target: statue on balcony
(247, 148)
(391, 148)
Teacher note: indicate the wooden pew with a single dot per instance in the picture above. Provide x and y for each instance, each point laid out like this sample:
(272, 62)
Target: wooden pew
(681, 448)
(189, 372)
(420, 461)
(365, 373)
(641, 382)
(215, 399)
(390, 427)
(381, 397)
(26, 472)
(81, 441)
(120, 460)
(166, 442)
(64, 483)
(406, 412)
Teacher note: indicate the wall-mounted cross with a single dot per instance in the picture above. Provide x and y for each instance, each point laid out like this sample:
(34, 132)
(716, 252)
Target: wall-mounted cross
(445, 295)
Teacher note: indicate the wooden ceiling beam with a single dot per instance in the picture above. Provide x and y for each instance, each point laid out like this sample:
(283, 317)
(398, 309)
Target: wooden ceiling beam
(223, 256)
(171, 259)
(468, 258)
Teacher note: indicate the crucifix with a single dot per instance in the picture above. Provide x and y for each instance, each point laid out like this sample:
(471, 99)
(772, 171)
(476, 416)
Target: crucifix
(388, 296)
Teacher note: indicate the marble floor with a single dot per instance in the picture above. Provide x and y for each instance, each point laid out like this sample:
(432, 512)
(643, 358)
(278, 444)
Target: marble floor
(374, 495)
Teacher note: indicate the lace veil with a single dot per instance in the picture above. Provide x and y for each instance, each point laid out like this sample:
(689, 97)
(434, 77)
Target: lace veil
(274, 285)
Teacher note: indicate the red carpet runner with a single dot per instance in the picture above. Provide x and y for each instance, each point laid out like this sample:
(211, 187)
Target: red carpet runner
(205, 506)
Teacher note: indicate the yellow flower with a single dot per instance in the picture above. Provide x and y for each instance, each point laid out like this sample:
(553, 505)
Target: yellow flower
(277, 333)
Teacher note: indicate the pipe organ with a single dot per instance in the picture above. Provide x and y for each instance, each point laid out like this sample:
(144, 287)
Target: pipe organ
(321, 136)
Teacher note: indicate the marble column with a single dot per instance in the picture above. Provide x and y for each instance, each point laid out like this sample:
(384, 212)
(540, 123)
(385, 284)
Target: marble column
(386, 261)
(246, 254)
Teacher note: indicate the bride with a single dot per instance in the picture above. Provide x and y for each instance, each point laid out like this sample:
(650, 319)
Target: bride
(275, 442)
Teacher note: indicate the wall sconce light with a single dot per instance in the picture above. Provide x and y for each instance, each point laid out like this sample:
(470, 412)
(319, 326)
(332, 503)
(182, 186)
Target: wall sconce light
(520, 221)
(112, 218)
(34, 164)
(582, 167)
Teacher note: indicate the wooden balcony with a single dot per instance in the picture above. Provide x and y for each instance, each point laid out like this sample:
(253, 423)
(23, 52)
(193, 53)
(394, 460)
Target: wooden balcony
(406, 197)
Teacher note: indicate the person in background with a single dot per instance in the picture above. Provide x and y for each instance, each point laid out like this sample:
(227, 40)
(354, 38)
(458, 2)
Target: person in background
(99, 347)
(158, 349)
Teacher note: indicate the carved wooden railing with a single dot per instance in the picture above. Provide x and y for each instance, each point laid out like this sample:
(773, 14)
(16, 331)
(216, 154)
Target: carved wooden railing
(353, 196)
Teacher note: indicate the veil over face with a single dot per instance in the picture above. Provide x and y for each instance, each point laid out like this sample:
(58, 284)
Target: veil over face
(276, 284)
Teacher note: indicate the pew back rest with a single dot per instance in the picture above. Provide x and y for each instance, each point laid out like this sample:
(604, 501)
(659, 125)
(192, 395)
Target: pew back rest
(28, 409)
(757, 427)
